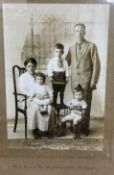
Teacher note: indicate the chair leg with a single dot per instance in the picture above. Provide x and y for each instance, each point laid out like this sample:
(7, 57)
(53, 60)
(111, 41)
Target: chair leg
(65, 111)
(58, 116)
(25, 126)
(16, 119)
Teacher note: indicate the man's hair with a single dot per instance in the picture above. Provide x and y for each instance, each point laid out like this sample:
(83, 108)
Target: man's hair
(80, 24)
(59, 46)
(78, 88)
(40, 74)
(30, 60)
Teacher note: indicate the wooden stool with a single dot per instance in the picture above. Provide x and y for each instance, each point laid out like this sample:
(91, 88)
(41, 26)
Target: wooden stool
(59, 108)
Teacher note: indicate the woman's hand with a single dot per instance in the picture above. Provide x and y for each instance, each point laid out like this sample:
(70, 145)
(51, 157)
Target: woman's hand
(40, 97)
(51, 78)
(50, 100)
(46, 96)
(46, 101)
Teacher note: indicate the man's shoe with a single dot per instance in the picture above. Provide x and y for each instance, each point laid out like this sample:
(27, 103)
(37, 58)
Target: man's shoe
(87, 132)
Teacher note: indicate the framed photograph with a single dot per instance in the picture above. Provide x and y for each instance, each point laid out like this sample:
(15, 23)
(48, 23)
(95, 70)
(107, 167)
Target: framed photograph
(57, 85)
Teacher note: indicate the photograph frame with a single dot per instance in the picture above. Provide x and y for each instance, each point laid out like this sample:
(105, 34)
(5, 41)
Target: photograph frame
(106, 157)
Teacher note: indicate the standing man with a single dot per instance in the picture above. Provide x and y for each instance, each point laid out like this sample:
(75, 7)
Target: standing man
(85, 68)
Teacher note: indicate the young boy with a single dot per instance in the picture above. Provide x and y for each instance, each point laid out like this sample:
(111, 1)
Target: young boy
(78, 108)
(58, 72)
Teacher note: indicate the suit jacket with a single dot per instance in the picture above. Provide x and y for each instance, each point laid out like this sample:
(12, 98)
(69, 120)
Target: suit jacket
(85, 65)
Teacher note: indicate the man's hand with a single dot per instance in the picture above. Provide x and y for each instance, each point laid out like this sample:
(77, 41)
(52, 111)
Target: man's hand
(67, 79)
(93, 86)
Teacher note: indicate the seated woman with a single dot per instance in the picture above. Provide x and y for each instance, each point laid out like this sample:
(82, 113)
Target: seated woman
(26, 82)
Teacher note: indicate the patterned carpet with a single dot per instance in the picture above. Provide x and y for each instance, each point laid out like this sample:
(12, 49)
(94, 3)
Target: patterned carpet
(92, 142)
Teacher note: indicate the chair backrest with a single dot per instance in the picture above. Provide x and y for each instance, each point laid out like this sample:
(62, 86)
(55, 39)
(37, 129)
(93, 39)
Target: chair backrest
(17, 71)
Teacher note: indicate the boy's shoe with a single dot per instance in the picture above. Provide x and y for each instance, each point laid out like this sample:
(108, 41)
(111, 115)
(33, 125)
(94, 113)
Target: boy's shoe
(77, 131)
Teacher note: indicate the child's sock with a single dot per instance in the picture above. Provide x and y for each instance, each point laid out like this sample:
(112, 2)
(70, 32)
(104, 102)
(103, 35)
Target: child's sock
(77, 131)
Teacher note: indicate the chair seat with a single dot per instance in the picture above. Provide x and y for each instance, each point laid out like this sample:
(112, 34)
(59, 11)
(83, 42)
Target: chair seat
(60, 107)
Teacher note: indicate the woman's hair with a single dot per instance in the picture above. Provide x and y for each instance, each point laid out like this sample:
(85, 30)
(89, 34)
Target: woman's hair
(30, 60)
(40, 74)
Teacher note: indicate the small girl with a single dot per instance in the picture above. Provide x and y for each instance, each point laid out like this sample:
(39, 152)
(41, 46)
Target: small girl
(42, 95)
(78, 108)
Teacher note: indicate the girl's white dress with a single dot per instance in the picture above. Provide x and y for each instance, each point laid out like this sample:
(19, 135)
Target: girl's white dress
(42, 120)
(35, 119)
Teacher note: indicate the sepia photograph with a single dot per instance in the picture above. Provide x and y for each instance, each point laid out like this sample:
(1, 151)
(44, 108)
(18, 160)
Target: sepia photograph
(55, 75)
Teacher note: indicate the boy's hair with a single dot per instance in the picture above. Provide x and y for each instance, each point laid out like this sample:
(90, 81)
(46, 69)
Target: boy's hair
(80, 24)
(30, 60)
(40, 74)
(78, 89)
(59, 46)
